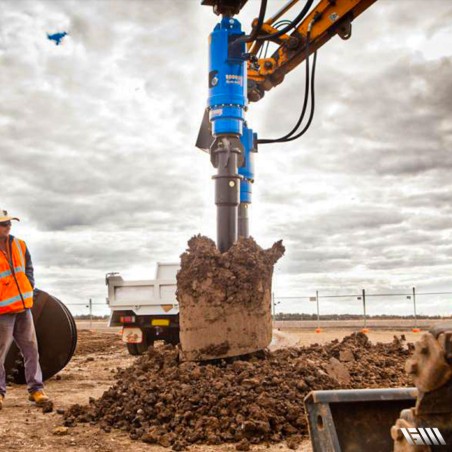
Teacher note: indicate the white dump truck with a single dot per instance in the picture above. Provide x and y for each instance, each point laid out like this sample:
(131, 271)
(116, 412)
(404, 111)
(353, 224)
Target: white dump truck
(147, 310)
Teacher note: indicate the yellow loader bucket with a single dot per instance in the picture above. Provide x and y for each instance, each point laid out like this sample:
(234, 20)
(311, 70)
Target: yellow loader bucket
(225, 299)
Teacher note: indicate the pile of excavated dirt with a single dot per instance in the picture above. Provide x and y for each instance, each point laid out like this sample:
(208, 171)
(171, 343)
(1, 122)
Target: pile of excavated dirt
(225, 298)
(251, 400)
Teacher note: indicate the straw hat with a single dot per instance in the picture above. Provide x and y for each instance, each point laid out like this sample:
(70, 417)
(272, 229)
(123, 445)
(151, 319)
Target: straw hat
(5, 217)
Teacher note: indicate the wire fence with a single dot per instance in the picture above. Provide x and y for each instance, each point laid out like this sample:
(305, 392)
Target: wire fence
(364, 298)
(90, 308)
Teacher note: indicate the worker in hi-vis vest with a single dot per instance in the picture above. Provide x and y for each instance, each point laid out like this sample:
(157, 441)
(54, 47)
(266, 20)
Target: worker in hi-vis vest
(16, 301)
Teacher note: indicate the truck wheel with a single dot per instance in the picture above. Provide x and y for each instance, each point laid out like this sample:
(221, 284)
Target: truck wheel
(132, 349)
(143, 347)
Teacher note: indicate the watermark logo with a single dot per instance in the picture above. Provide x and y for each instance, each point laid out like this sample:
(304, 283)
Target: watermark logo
(423, 436)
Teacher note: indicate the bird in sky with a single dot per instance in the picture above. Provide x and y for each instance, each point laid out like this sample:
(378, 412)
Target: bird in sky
(57, 37)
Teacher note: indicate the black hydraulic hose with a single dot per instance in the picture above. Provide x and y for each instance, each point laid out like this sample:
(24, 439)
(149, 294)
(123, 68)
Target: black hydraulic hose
(306, 127)
(305, 104)
(257, 29)
(293, 24)
(260, 21)
(267, 44)
(306, 97)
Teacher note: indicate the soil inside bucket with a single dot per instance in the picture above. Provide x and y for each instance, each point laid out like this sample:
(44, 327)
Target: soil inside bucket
(225, 298)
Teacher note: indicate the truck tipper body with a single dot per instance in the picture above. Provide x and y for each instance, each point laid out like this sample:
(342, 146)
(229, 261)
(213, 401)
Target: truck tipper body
(147, 310)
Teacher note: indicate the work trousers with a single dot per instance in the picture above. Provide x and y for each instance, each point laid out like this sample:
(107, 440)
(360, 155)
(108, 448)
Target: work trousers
(20, 328)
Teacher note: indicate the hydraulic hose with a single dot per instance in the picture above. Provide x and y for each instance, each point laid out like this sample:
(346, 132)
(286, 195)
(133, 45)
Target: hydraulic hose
(257, 29)
(289, 27)
(308, 83)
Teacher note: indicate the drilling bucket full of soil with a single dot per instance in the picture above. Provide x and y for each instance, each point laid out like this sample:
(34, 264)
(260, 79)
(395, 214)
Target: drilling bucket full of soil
(225, 298)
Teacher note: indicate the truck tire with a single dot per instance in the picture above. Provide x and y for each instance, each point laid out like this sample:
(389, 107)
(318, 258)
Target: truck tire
(139, 349)
(143, 347)
(148, 340)
(132, 349)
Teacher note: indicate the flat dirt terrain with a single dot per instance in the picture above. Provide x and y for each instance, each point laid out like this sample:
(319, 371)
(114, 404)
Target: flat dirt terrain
(294, 337)
(91, 372)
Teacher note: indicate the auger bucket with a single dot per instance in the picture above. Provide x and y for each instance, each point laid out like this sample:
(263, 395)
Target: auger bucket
(225, 299)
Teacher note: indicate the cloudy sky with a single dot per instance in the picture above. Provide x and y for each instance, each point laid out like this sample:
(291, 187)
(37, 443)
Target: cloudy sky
(98, 157)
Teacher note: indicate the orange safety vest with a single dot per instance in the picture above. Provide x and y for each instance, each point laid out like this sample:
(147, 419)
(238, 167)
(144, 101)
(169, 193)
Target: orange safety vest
(16, 292)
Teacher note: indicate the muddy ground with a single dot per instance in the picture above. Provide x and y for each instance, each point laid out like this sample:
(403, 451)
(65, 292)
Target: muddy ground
(91, 372)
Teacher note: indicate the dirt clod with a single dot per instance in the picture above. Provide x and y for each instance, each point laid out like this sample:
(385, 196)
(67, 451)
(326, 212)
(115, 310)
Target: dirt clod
(60, 430)
(253, 399)
(244, 444)
(338, 371)
(47, 407)
(294, 442)
(346, 355)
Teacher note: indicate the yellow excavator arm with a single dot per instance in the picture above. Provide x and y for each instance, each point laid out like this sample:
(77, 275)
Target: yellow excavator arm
(327, 18)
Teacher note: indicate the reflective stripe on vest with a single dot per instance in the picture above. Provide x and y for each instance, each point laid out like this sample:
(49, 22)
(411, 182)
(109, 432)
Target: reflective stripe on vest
(16, 298)
(21, 267)
(19, 296)
(21, 255)
(8, 272)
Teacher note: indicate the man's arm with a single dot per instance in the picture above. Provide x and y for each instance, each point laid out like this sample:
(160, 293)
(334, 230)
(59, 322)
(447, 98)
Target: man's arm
(29, 268)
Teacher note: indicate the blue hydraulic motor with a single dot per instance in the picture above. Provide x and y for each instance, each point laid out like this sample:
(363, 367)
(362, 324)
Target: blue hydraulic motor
(232, 140)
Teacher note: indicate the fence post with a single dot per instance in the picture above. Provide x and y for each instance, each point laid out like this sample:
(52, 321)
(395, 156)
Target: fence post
(318, 330)
(415, 329)
(90, 314)
(364, 330)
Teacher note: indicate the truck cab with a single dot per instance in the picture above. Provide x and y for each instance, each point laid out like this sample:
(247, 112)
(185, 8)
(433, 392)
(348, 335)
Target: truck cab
(147, 310)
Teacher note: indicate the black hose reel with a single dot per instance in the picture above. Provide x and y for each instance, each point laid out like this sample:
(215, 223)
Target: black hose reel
(56, 333)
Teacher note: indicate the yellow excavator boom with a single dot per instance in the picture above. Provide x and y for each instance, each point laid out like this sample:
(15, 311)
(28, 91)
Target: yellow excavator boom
(326, 19)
